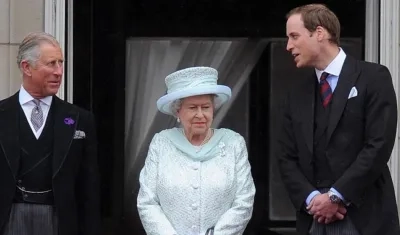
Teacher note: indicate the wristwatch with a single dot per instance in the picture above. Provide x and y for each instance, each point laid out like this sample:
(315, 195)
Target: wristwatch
(334, 198)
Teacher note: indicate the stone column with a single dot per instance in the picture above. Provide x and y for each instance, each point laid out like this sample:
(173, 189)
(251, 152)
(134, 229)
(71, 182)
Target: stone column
(17, 18)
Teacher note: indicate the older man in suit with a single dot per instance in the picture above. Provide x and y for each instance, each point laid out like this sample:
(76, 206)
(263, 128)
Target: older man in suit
(48, 162)
(338, 132)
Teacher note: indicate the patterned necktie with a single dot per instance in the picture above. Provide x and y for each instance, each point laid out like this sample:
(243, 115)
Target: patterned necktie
(325, 89)
(37, 115)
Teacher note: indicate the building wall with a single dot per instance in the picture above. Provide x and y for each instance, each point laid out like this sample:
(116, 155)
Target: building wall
(17, 18)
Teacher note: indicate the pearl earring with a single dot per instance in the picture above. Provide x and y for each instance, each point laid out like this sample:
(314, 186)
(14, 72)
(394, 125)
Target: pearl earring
(178, 120)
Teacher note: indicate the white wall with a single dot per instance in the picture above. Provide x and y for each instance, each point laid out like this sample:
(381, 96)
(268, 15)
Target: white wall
(17, 18)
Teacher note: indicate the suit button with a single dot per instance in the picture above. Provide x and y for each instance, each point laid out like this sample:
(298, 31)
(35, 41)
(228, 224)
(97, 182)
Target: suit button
(195, 186)
(19, 181)
(318, 182)
(194, 206)
(25, 195)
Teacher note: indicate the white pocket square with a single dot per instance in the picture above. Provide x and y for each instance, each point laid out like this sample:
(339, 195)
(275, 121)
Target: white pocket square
(79, 135)
(353, 93)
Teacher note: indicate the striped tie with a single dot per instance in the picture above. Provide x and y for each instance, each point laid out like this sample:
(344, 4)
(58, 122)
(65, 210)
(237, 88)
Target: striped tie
(37, 115)
(325, 89)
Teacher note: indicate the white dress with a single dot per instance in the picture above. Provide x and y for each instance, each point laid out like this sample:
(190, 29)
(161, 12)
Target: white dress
(183, 195)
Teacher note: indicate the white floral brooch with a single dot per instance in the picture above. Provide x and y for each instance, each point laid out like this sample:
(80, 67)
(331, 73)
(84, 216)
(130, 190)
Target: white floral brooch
(222, 151)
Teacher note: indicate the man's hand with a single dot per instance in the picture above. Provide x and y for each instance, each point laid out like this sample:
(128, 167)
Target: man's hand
(324, 210)
(338, 216)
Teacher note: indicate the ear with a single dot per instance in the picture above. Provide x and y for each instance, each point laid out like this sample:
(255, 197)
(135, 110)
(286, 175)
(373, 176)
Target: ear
(320, 32)
(26, 68)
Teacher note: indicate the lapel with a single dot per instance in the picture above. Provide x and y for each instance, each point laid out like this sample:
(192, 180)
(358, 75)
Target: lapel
(9, 134)
(306, 105)
(347, 78)
(65, 123)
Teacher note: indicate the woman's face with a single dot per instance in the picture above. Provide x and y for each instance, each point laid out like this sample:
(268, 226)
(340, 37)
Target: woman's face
(196, 114)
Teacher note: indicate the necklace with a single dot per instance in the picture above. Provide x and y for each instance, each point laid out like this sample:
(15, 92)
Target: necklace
(206, 139)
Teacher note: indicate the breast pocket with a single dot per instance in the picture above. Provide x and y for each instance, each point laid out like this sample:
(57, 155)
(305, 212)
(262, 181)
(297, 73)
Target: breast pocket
(355, 108)
(77, 147)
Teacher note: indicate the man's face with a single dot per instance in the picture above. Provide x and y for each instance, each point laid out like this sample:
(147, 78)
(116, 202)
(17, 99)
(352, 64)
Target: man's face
(44, 77)
(302, 44)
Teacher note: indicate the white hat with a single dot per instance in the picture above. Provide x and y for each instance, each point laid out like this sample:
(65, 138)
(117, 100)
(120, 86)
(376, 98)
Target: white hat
(191, 82)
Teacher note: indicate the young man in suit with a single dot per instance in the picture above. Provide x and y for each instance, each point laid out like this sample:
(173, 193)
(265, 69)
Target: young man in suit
(48, 155)
(338, 133)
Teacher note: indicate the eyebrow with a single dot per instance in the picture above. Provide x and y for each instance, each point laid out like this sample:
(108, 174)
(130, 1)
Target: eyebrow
(192, 104)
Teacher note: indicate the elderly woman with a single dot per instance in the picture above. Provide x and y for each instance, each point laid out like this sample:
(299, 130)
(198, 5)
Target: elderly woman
(196, 179)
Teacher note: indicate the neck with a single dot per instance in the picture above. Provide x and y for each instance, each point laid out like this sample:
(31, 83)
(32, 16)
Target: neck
(326, 56)
(198, 139)
(33, 93)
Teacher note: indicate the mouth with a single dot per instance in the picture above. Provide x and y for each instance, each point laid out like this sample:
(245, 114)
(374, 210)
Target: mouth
(295, 55)
(54, 84)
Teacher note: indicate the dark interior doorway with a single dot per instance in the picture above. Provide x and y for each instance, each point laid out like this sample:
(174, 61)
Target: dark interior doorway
(101, 29)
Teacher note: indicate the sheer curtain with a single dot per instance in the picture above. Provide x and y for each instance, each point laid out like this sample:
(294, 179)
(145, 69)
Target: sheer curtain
(149, 61)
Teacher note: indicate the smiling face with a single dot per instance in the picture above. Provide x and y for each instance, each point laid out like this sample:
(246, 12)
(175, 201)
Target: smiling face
(43, 77)
(196, 114)
(302, 44)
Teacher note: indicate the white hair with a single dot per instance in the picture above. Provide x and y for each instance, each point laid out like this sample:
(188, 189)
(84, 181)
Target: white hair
(176, 105)
(29, 47)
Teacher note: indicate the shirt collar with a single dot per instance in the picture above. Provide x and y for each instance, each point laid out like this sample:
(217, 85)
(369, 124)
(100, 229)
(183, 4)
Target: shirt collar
(25, 97)
(335, 67)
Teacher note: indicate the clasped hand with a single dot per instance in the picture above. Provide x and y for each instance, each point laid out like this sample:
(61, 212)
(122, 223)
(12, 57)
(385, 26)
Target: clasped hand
(324, 211)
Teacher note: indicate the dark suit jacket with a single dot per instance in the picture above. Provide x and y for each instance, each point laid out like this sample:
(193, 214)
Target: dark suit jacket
(360, 137)
(75, 174)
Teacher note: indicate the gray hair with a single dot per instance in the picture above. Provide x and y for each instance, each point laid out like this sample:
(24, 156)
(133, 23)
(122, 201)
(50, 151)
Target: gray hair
(176, 105)
(29, 47)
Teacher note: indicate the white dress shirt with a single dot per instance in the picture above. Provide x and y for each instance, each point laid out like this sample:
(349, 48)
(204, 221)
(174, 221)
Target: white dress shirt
(334, 69)
(27, 104)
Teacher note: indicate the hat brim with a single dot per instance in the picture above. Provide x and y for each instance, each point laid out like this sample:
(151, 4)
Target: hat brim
(223, 94)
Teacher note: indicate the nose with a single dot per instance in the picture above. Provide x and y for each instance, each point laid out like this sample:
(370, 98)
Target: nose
(289, 45)
(199, 112)
(59, 68)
